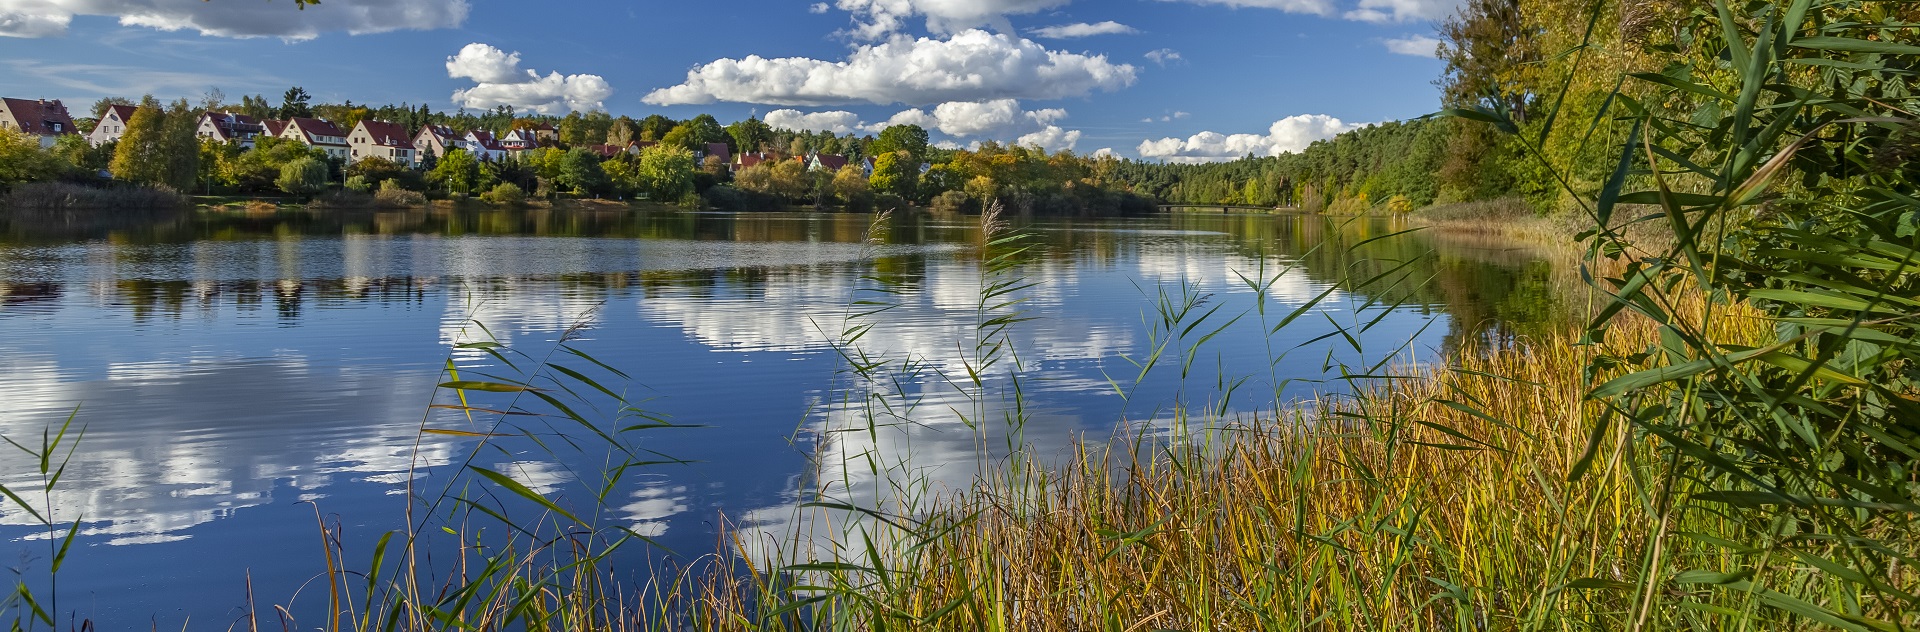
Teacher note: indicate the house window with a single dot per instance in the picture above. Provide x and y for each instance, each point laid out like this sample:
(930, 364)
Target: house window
(56, 127)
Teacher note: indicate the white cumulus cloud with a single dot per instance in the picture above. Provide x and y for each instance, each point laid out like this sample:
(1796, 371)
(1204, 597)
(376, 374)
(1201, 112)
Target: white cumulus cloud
(1082, 29)
(1290, 134)
(1403, 10)
(876, 19)
(1415, 45)
(999, 119)
(1367, 11)
(235, 18)
(501, 82)
(838, 122)
(966, 119)
(484, 64)
(1313, 7)
(1163, 56)
(1051, 139)
(971, 66)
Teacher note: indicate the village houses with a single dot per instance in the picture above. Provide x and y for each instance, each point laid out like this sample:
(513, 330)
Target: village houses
(434, 141)
(376, 139)
(46, 119)
(319, 134)
(482, 145)
(112, 125)
(367, 139)
(227, 127)
(519, 140)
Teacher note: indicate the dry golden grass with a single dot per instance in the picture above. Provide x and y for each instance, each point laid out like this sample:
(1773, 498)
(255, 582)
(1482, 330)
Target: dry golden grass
(1347, 515)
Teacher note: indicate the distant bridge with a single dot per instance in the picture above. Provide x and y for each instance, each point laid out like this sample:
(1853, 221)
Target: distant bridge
(1224, 208)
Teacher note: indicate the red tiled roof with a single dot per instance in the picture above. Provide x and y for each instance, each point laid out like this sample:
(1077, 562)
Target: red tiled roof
(486, 140)
(274, 128)
(441, 131)
(40, 117)
(605, 151)
(228, 125)
(317, 127)
(832, 161)
(386, 134)
(720, 149)
(125, 112)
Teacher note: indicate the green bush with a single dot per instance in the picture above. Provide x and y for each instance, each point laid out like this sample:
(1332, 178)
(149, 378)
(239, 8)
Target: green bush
(506, 194)
(955, 202)
(392, 195)
(359, 184)
(305, 176)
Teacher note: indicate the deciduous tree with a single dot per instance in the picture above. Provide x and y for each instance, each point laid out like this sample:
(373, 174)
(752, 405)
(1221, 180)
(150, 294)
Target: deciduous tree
(306, 176)
(666, 171)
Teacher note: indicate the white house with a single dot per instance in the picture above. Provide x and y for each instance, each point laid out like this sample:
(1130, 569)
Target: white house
(435, 141)
(321, 134)
(520, 140)
(227, 127)
(112, 125)
(482, 145)
(377, 139)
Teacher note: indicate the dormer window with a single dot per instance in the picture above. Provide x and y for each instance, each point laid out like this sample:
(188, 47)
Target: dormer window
(56, 127)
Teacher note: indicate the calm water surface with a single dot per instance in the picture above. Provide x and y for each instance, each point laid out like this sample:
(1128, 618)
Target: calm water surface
(230, 368)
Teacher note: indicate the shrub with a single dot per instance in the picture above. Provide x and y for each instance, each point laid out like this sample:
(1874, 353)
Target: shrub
(506, 194)
(359, 184)
(1399, 204)
(1350, 206)
(955, 202)
(392, 195)
(305, 176)
(343, 198)
(732, 198)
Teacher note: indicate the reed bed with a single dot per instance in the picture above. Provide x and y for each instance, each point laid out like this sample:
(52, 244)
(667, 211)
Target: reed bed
(63, 196)
(1440, 502)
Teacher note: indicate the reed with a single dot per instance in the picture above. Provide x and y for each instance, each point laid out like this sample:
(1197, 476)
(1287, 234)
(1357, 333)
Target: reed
(62, 196)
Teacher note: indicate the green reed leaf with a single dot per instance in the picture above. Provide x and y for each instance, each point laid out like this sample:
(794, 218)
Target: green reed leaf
(522, 491)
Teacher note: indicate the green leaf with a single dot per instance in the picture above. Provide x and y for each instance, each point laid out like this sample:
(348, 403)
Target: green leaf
(521, 490)
(1850, 45)
(1595, 583)
(491, 387)
(1683, 199)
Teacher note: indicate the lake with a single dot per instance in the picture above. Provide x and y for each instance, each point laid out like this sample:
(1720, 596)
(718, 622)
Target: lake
(243, 377)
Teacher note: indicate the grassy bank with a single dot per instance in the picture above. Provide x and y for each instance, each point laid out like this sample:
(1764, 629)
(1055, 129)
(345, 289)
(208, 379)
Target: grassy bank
(1441, 501)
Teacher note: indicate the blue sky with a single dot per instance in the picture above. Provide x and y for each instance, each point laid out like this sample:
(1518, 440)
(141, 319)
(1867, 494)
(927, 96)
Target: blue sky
(1249, 75)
